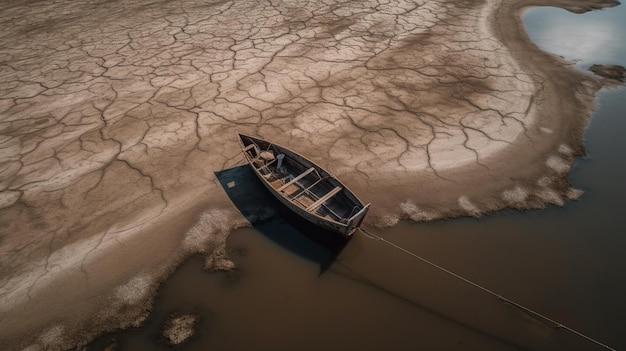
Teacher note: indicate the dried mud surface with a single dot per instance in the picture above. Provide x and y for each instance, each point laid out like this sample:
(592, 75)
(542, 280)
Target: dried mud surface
(114, 116)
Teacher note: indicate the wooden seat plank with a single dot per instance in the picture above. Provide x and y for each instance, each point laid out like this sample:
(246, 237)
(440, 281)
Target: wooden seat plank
(304, 174)
(323, 199)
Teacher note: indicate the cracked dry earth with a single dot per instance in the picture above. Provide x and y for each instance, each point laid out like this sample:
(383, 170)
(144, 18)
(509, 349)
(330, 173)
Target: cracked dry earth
(114, 116)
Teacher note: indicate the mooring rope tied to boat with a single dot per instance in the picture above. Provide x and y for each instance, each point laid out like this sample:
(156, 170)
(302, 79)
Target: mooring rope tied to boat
(500, 297)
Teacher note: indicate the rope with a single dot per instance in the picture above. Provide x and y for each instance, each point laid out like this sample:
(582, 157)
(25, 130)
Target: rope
(500, 297)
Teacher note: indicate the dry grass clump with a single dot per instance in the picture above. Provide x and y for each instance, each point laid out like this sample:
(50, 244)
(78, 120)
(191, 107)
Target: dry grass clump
(411, 210)
(135, 290)
(50, 339)
(574, 194)
(558, 164)
(565, 150)
(209, 237)
(212, 226)
(468, 206)
(550, 196)
(517, 195)
(179, 329)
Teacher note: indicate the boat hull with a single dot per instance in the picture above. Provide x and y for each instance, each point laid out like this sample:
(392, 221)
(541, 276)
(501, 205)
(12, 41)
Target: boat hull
(344, 224)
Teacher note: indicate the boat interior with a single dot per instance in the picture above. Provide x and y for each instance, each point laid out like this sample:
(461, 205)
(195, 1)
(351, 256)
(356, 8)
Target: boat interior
(302, 184)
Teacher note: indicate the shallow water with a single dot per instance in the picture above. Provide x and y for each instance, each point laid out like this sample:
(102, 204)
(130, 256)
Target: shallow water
(565, 263)
(589, 38)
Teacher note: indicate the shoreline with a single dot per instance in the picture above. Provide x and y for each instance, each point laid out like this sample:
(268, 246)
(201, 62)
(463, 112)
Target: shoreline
(530, 188)
(570, 98)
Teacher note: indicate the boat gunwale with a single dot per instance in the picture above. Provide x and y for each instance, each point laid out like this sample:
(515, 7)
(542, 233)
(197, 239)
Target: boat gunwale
(312, 164)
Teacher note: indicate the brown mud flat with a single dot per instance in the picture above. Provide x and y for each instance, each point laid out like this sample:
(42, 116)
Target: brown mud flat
(114, 118)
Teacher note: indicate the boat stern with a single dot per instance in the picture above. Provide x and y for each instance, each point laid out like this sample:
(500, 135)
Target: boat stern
(355, 221)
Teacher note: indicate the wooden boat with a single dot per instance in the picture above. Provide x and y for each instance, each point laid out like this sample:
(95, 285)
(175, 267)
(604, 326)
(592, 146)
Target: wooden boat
(304, 187)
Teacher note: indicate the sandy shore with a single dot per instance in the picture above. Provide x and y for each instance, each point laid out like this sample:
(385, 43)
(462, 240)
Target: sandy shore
(114, 118)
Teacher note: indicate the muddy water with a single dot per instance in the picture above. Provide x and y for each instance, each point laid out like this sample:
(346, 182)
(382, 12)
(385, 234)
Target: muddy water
(566, 263)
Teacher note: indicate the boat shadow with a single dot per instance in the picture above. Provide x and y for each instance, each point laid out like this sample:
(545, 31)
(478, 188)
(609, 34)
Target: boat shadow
(277, 222)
